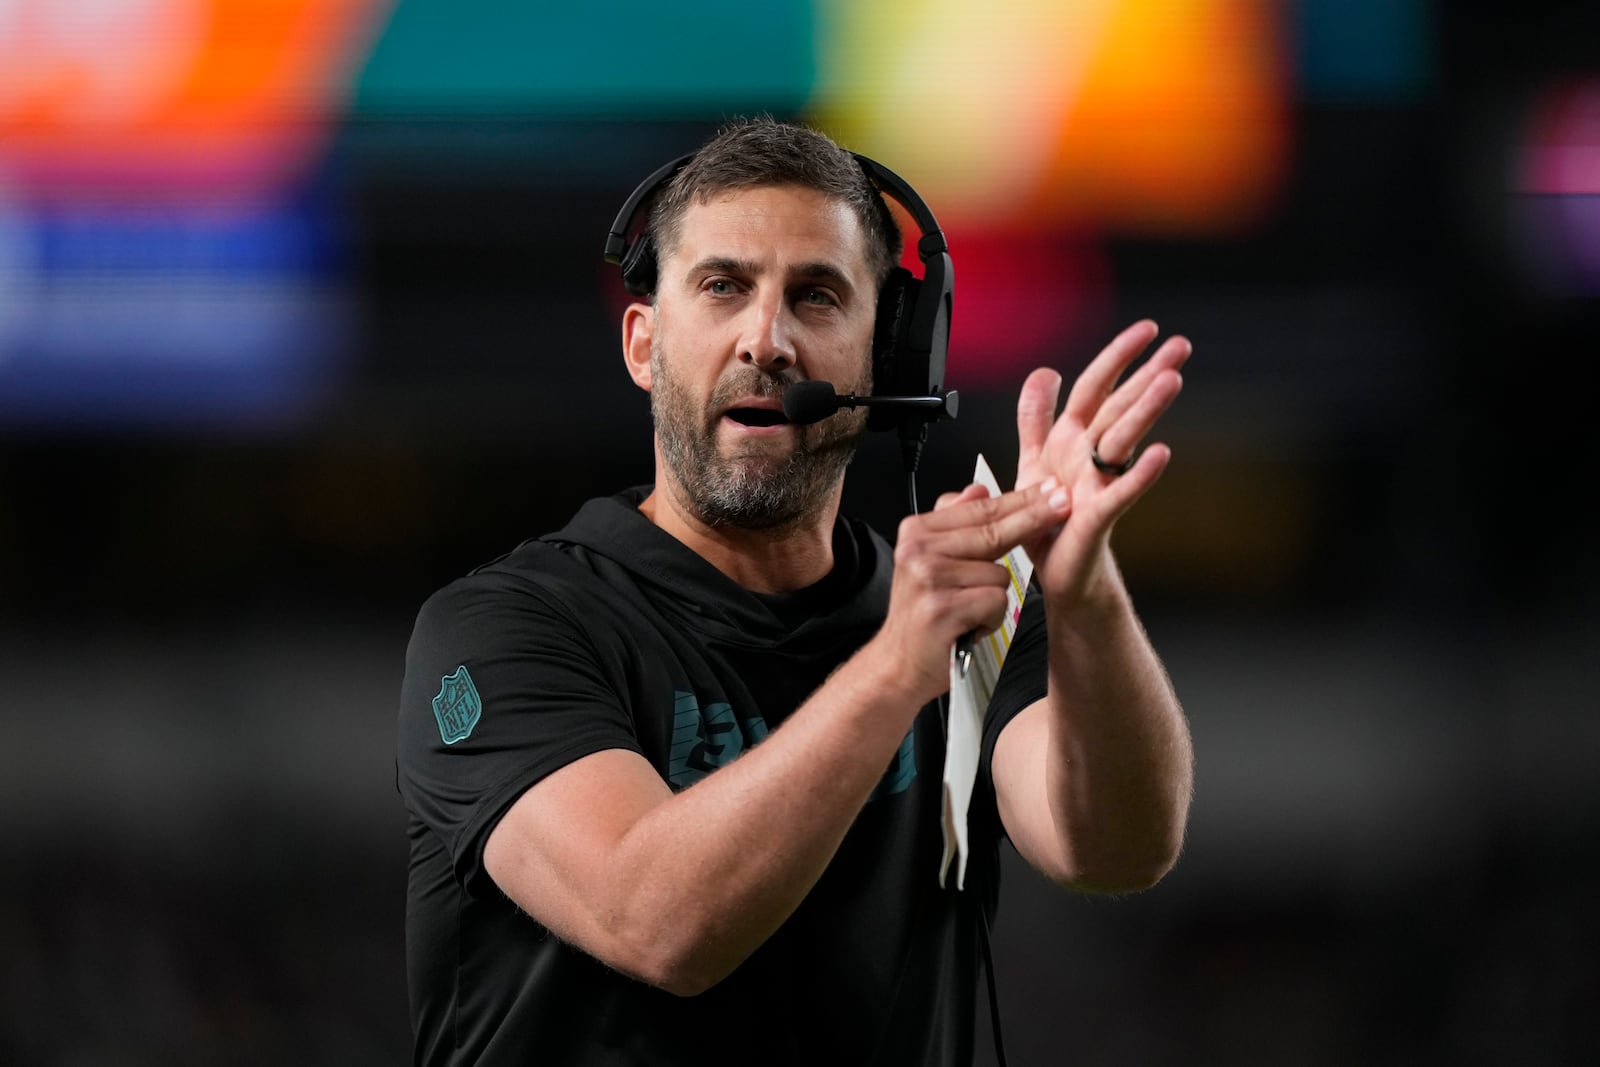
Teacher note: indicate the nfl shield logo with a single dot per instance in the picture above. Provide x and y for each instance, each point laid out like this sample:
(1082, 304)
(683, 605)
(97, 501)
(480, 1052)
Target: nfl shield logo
(457, 706)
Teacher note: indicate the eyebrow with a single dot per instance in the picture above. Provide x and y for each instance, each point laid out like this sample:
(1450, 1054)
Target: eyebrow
(818, 270)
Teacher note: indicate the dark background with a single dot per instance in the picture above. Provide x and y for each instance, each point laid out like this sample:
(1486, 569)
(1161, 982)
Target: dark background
(1370, 572)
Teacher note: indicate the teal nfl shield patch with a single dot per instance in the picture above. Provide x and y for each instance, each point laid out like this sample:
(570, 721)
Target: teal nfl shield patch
(457, 707)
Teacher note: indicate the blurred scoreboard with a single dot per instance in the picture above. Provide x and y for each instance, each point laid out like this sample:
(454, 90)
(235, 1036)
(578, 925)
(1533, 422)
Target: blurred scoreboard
(176, 243)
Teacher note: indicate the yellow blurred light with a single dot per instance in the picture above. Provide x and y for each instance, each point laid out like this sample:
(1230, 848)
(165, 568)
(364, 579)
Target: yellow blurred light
(1137, 114)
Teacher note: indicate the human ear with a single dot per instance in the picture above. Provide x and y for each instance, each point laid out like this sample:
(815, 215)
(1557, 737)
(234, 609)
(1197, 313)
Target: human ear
(638, 327)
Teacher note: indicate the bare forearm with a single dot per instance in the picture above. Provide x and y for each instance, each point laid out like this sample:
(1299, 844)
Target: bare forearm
(704, 878)
(1119, 765)
(1093, 781)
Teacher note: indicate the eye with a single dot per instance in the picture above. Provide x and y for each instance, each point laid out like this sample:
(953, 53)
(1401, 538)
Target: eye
(720, 286)
(817, 297)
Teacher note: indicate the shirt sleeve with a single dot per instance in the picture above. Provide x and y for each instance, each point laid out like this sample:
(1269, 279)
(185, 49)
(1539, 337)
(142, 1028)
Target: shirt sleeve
(1024, 679)
(503, 685)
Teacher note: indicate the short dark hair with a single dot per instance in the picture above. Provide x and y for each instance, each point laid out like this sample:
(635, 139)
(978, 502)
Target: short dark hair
(762, 151)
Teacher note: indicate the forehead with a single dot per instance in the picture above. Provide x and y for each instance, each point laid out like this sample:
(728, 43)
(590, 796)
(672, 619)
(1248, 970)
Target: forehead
(774, 225)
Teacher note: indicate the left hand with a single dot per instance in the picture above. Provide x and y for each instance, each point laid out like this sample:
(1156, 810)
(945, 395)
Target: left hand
(1070, 562)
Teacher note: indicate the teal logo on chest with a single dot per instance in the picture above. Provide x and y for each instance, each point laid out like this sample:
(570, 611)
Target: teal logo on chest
(457, 707)
(902, 769)
(702, 741)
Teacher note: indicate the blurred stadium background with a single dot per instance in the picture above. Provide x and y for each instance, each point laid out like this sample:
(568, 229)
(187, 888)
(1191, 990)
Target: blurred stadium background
(302, 313)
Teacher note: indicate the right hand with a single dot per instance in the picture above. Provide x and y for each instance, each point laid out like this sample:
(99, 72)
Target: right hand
(946, 580)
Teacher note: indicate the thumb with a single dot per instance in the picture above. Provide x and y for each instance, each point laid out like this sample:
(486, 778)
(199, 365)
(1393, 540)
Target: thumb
(1036, 414)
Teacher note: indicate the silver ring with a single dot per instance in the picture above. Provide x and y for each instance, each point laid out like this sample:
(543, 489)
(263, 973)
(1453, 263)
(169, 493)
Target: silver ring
(1116, 470)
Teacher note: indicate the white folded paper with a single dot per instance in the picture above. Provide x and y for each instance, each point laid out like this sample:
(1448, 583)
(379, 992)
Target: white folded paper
(969, 699)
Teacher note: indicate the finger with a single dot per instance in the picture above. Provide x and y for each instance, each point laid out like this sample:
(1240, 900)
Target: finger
(1094, 385)
(946, 499)
(1120, 439)
(974, 506)
(980, 608)
(956, 574)
(1036, 413)
(998, 525)
(1124, 491)
(988, 607)
(1172, 355)
(955, 580)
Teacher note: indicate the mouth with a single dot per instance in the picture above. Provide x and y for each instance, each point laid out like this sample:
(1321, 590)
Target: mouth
(756, 416)
(756, 413)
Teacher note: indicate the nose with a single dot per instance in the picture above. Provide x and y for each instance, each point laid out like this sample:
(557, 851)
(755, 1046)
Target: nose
(766, 339)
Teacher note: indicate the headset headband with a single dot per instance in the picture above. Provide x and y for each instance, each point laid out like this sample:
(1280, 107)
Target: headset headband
(931, 243)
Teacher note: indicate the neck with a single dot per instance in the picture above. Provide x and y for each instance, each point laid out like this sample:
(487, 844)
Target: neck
(777, 560)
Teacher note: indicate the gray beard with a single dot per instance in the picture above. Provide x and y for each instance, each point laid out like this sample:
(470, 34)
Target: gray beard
(758, 490)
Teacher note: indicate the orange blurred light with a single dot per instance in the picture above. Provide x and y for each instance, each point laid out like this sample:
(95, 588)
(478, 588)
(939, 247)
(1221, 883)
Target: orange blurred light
(1179, 122)
(173, 92)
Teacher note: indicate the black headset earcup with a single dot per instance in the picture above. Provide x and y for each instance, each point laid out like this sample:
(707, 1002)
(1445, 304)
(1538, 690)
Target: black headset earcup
(639, 266)
(896, 300)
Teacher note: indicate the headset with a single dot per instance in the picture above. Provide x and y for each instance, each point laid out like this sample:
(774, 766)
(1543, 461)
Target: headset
(911, 336)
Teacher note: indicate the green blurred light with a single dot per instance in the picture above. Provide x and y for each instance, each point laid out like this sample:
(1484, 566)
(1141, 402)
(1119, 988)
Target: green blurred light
(624, 59)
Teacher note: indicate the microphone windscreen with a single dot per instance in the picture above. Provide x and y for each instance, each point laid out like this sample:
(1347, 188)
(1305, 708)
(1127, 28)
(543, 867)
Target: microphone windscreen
(808, 402)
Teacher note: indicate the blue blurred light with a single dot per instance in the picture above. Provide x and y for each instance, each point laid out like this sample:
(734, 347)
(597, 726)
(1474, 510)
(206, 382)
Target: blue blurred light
(172, 319)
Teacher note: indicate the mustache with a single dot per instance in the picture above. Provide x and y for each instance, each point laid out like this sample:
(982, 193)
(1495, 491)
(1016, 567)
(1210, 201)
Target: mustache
(751, 381)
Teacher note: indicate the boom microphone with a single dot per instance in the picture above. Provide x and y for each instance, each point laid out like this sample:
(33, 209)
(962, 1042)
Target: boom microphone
(813, 401)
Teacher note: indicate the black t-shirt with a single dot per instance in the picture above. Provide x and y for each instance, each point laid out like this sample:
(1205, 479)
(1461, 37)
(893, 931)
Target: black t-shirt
(613, 634)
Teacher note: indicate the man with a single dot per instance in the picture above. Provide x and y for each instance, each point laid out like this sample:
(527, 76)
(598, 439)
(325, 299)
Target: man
(672, 771)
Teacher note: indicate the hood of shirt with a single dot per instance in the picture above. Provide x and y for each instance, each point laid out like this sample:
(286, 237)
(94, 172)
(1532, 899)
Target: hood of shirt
(612, 533)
